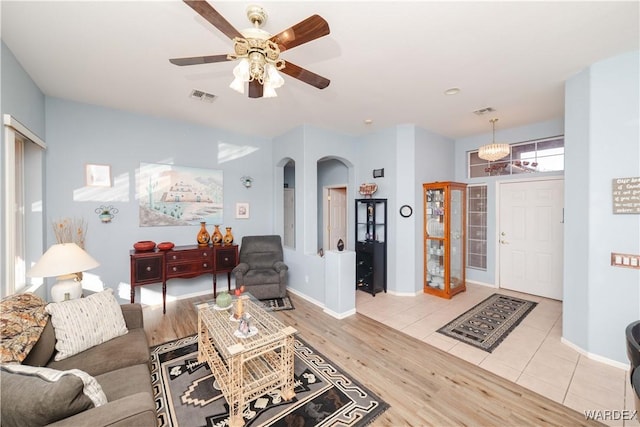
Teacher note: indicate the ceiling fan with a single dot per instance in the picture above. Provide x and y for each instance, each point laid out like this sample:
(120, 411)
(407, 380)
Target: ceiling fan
(259, 51)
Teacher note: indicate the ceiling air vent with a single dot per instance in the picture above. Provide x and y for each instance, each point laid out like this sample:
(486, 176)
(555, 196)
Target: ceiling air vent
(485, 110)
(202, 96)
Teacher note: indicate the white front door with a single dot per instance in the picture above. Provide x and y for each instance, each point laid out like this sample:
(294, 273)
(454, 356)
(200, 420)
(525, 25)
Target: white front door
(531, 237)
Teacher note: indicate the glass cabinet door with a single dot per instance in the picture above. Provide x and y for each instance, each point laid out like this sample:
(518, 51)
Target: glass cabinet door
(455, 239)
(435, 238)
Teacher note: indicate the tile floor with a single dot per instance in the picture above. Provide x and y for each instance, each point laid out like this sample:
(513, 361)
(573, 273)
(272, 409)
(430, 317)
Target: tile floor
(532, 355)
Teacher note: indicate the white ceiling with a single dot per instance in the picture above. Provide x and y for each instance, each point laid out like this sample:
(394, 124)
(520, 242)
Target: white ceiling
(387, 61)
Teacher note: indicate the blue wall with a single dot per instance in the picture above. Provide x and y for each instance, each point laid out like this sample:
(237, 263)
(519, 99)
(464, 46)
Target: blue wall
(602, 143)
(21, 98)
(78, 134)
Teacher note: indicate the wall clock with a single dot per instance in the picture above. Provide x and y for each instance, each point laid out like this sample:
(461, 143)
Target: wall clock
(406, 211)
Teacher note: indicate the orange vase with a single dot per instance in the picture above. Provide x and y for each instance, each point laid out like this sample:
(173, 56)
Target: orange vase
(203, 235)
(216, 235)
(228, 237)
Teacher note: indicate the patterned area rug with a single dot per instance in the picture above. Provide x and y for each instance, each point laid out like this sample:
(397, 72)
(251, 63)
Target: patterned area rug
(488, 323)
(277, 304)
(187, 394)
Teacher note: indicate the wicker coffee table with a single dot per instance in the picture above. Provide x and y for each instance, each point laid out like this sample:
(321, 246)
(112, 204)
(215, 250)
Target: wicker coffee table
(246, 367)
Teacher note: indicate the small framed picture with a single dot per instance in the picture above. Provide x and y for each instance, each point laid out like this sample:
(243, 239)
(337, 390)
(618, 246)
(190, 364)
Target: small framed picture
(242, 210)
(98, 175)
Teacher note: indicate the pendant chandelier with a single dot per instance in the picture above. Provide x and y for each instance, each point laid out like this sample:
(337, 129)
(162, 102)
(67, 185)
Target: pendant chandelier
(493, 151)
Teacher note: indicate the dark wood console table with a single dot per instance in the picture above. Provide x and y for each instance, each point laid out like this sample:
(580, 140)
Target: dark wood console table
(181, 262)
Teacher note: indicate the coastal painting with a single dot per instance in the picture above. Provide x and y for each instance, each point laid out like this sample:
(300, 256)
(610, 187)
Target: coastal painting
(178, 195)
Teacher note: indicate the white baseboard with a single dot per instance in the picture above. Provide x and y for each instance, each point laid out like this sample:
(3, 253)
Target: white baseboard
(596, 357)
(306, 297)
(340, 316)
(315, 302)
(488, 285)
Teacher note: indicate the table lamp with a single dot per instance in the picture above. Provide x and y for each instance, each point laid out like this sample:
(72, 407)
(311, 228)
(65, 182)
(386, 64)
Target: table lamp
(64, 260)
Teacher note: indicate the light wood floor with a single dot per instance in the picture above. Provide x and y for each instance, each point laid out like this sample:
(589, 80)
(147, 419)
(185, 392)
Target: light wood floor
(424, 385)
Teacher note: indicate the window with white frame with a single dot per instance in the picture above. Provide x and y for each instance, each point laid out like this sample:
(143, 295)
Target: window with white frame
(477, 226)
(23, 203)
(542, 155)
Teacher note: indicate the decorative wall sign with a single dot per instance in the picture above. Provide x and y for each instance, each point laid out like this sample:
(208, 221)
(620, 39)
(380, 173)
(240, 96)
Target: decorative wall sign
(177, 195)
(626, 195)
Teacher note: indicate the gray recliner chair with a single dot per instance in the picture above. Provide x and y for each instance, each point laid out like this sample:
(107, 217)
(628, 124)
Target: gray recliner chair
(633, 353)
(262, 270)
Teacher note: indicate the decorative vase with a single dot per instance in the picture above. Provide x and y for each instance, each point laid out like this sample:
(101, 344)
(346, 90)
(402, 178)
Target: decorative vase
(228, 238)
(223, 300)
(340, 245)
(203, 235)
(216, 236)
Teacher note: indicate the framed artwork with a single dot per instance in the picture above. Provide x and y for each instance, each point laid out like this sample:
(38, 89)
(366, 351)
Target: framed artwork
(242, 210)
(97, 175)
(178, 195)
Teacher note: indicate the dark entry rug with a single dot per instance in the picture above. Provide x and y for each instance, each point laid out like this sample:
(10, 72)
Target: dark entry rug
(277, 304)
(187, 395)
(488, 323)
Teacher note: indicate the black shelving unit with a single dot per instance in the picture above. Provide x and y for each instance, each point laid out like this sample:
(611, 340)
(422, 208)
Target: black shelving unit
(371, 245)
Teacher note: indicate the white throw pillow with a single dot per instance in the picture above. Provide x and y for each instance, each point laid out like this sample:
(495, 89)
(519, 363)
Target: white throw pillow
(83, 323)
(91, 389)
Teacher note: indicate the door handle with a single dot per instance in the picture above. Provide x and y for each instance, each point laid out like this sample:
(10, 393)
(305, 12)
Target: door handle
(504, 242)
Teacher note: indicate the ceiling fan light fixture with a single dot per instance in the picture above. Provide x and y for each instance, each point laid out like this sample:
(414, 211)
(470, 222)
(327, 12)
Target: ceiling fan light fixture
(494, 151)
(269, 91)
(241, 71)
(259, 48)
(274, 78)
(259, 58)
(238, 85)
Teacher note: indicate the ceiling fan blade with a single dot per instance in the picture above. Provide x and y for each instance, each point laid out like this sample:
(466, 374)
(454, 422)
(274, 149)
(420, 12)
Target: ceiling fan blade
(255, 89)
(305, 75)
(207, 11)
(305, 31)
(196, 60)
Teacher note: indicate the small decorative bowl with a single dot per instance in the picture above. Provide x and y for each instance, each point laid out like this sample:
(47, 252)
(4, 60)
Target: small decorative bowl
(144, 245)
(165, 246)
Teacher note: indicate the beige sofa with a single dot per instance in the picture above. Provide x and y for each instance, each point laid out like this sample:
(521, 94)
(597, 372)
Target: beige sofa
(120, 366)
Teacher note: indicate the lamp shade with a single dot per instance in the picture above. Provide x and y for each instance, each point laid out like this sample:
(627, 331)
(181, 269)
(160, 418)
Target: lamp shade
(273, 77)
(241, 71)
(62, 259)
(238, 85)
(268, 91)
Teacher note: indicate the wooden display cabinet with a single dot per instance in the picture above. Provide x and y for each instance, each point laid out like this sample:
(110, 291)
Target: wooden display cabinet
(444, 238)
